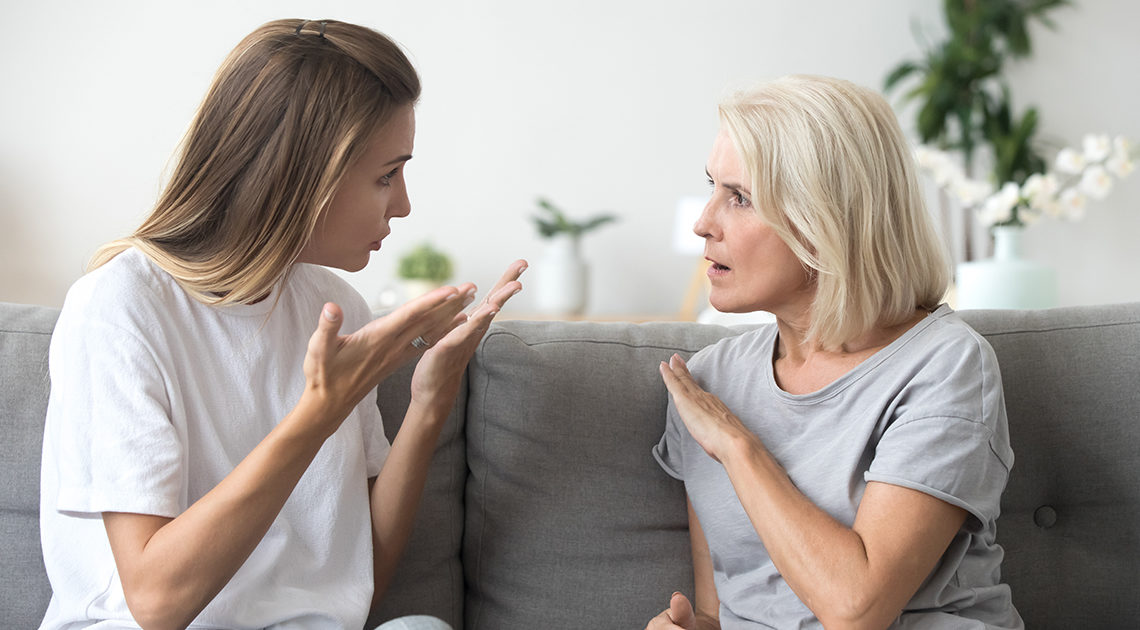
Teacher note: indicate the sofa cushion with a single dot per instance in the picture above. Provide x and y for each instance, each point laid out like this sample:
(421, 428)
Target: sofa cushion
(429, 578)
(570, 521)
(1070, 512)
(25, 334)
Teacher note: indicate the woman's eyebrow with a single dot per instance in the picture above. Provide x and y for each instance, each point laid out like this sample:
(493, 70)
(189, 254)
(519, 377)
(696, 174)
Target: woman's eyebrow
(402, 158)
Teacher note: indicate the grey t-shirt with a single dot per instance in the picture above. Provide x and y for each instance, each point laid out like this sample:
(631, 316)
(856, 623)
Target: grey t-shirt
(927, 412)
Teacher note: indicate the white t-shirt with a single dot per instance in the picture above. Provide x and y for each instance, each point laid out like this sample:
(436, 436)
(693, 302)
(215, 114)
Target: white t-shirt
(927, 413)
(155, 398)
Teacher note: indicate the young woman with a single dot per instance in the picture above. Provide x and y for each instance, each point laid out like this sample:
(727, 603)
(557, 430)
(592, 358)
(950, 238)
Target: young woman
(844, 465)
(213, 453)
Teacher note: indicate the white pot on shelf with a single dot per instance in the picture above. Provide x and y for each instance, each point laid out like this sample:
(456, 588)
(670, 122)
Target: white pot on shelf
(1007, 280)
(561, 278)
(415, 287)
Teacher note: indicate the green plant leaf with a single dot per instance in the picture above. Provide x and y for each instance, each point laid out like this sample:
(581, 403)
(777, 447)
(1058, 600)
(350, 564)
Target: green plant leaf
(425, 262)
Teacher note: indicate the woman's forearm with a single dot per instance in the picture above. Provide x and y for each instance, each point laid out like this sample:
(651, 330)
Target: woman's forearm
(395, 494)
(172, 568)
(853, 577)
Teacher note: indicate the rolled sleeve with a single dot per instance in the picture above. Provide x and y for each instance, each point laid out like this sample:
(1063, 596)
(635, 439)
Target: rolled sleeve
(952, 459)
(669, 452)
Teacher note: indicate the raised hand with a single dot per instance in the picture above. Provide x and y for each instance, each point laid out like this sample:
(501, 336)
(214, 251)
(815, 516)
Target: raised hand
(708, 420)
(438, 374)
(341, 369)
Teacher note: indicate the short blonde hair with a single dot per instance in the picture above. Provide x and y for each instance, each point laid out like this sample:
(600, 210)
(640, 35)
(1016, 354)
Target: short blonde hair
(292, 106)
(835, 177)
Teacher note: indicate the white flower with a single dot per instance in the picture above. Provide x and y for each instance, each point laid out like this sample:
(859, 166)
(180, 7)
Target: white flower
(1069, 161)
(1073, 204)
(939, 164)
(998, 207)
(1096, 147)
(1119, 165)
(1095, 182)
(925, 157)
(1121, 146)
(971, 191)
(1039, 190)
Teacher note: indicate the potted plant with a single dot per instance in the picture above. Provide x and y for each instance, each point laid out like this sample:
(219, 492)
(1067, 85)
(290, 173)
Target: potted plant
(963, 98)
(562, 279)
(422, 269)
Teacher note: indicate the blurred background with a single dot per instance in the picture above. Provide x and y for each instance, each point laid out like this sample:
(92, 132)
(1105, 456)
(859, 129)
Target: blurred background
(599, 106)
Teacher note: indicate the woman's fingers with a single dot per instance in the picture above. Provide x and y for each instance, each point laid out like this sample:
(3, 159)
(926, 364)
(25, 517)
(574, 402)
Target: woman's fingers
(325, 336)
(681, 611)
(511, 275)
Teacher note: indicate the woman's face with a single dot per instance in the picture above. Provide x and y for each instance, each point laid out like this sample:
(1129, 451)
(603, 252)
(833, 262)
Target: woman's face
(370, 194)
(751, 267)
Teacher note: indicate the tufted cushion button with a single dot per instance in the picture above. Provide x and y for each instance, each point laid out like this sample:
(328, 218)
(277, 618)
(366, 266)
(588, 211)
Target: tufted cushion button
(1045, 516)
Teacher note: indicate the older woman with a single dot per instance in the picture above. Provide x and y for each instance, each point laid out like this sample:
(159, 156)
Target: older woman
(844, 466)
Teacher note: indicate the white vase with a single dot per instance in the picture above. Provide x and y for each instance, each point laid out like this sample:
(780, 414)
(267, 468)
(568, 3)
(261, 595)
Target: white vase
(415, 287)
(1007, 280)
(561, 278)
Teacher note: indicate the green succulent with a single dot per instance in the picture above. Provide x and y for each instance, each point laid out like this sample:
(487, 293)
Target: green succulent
(558, 223)
(425, 263)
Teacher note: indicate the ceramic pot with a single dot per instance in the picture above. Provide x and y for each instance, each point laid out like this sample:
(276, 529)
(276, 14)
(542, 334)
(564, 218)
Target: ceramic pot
(415, 287)
(1007, 280)
(562, 278)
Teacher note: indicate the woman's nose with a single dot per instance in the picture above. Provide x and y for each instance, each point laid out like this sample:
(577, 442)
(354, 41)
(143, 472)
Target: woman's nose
(706, 223)
(400, 205)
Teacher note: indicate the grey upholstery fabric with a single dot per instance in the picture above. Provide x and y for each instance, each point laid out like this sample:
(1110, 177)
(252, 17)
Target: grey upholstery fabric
(429, 578)
(25, 333)
(1070, 521)
(545, 509)
(570, 522)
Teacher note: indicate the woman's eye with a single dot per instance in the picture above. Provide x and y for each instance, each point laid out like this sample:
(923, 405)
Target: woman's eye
(740, 200)
(711, 183)
(386, 179)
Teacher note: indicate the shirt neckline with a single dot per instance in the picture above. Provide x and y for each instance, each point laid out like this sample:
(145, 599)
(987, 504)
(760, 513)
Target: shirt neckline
(837, 386)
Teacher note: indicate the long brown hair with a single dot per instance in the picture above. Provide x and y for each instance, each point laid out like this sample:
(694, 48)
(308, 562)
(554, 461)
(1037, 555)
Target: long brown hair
(292, 106)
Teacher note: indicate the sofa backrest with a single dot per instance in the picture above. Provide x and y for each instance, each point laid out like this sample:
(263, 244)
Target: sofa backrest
(1070, 522)
(545, 509)
(25, 332)
(570, 521)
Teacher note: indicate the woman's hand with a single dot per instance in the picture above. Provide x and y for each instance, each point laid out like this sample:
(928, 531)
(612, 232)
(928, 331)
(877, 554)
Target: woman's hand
(709, 421)
(439, 373)
(341, 369)
(681, 616)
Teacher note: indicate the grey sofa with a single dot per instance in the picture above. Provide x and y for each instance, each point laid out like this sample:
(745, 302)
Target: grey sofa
(544, 508)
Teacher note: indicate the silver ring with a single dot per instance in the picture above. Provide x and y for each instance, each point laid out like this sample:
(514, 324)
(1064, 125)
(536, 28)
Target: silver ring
(419, 343)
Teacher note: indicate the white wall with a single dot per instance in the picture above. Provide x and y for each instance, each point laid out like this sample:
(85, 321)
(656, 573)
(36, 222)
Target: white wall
(597, 104)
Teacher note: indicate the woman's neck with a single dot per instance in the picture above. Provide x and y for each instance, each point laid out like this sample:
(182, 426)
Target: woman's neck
(802, 366)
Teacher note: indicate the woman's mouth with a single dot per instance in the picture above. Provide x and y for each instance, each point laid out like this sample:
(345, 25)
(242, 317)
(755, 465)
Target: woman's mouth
(717, 269)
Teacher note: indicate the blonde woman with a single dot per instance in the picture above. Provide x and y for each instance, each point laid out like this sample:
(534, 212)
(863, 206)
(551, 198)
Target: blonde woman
(844, 466)
(213, 454)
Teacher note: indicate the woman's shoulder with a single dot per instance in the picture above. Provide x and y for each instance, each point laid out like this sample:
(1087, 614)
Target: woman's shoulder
(947, 337)
(736, 349)
(127, 284)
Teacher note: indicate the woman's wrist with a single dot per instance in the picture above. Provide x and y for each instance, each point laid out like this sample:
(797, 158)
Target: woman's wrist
(433, 408)
(743, 448)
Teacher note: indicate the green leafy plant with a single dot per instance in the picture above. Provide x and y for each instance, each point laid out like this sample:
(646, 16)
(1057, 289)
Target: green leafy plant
(963, 97)
(556, 222)
(425, 263)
